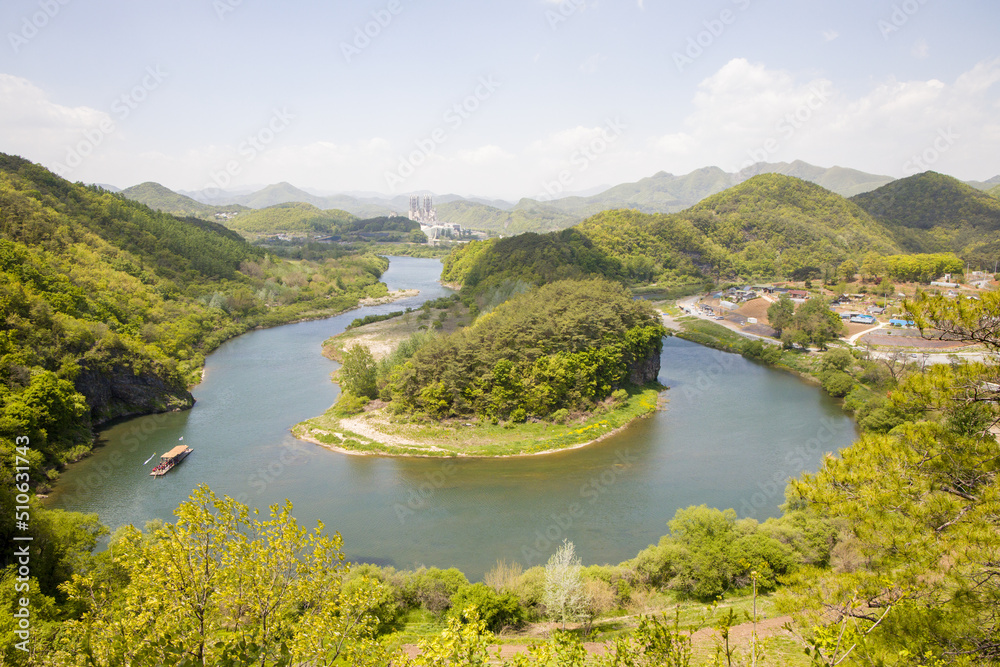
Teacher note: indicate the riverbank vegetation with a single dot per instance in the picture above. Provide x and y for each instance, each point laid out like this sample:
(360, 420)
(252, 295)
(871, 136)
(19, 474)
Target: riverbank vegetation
(570, 359)
(109, 307)
(108, 311)
(886, 555)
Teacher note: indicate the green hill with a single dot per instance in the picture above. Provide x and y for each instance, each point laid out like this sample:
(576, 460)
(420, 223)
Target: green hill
(290, 217)
(994, 191)
(109, 306)
(769, 226)
(781, 224)
(660, 193)
(931, 212)
(160, 198)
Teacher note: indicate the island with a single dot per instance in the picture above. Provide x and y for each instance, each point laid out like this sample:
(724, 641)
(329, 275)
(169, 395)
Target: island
(551, 368)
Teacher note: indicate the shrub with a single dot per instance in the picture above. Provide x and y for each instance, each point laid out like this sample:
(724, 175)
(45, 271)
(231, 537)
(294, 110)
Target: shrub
(837, 383)
(497, 610)
(433, 588)
(837, 359)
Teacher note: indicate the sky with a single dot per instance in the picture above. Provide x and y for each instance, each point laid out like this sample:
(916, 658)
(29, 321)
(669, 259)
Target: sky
(520, 98)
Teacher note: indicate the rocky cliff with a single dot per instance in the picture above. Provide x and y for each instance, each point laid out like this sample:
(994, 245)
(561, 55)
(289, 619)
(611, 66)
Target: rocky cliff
(121, 391)
(646, 369)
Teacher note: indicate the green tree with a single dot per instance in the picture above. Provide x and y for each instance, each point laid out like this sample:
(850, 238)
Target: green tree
(221, 586)
(815, 319)
(781, 312)
(847, 270)
(497, 610)
(359, 372)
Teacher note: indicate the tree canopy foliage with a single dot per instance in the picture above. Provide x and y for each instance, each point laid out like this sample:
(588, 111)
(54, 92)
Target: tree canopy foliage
(768, 227)
(565, 345)
(933, 213)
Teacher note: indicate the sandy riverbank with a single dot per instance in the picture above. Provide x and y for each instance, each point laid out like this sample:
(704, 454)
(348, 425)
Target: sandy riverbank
(372, 433)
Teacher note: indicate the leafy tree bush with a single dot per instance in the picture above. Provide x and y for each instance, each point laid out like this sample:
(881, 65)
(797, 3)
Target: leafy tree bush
(837, 359)
(837, 383)
(358, 372)
(781, 312)
(497, 610)
(566, 345)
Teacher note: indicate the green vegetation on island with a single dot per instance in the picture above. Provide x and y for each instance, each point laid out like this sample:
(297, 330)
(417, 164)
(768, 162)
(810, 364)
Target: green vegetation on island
(886, 555)
(572, 357)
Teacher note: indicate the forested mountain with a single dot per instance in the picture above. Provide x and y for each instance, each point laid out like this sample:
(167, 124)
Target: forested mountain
(291, 217)
(109, 306)
(160, 198)
(994, 191)
(660, 193)
(931, 212)
(988, 184)
(782, 225)
(769, 226)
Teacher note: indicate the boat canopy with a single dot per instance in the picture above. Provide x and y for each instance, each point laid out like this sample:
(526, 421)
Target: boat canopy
(176, 451)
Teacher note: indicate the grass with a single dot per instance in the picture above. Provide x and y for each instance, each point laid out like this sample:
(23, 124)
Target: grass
(710, 334)
(376, 432)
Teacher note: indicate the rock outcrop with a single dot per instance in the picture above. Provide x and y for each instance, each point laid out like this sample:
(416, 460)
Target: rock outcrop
(646, 369)
(122, 391)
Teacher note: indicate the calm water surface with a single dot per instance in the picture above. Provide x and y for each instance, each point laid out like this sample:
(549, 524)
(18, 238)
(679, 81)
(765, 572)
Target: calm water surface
(732, 433)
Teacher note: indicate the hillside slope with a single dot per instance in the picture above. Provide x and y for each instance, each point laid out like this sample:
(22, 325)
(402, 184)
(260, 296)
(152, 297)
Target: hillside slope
(768, 226)
(289, 217)
(160, 198)
(931, 212)
(109, 307)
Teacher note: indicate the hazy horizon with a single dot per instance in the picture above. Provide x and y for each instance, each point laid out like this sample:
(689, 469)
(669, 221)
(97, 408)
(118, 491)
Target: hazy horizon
(529, 98)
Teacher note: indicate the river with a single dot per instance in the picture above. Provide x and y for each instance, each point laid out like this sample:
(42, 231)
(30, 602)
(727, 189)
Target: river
(731, 435)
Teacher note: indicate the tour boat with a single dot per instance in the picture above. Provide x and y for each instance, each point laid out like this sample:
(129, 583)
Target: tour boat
(169, 460)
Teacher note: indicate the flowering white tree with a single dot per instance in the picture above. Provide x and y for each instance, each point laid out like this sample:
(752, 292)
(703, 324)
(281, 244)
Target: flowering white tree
(565, 594)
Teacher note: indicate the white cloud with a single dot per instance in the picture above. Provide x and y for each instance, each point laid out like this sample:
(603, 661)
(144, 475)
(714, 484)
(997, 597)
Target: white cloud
(34, 126)
(921, 49)
(830, 35)
(746, 112)
(742, 111)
